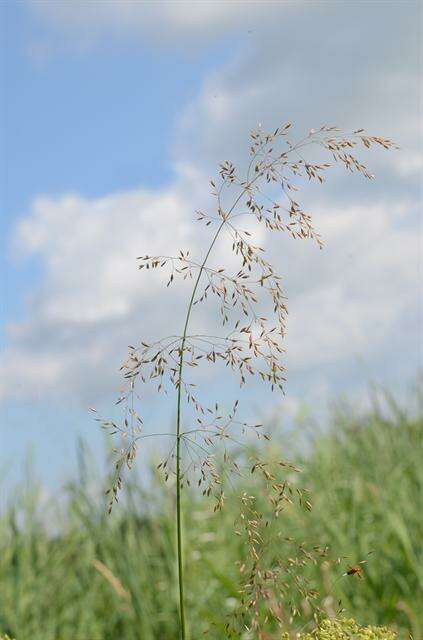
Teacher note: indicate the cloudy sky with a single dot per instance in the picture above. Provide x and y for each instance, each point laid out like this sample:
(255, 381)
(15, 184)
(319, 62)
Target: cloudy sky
(114, 116)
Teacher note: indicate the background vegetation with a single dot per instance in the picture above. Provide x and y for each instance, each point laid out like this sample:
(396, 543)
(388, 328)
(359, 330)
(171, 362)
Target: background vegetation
(70, 572)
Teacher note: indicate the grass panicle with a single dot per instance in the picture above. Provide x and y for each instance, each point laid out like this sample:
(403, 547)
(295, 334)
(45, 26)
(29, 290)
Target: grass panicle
(248, 341)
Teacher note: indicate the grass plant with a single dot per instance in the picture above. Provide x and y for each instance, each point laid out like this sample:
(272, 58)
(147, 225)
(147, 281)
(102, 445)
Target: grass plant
(252, 308)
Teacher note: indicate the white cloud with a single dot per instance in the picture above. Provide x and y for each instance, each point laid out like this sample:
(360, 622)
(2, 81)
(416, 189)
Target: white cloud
(352, 299)
(89, 248)
(91, 286)
(328, 68)
(183, 24)
(346, 301)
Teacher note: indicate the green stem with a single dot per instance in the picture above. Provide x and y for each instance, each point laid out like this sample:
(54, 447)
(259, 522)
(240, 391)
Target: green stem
(178, 446)
(179, 533)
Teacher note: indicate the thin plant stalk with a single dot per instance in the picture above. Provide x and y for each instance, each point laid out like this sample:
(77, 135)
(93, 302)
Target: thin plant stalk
(179, 533)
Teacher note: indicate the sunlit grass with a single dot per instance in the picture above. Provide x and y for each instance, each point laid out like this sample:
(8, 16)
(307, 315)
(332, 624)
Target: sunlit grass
(70, 572)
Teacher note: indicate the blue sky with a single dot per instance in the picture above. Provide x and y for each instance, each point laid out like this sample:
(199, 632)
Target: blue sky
(119, 103)
(112, 122)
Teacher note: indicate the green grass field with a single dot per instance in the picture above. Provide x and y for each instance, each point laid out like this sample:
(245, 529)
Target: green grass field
(70, 572)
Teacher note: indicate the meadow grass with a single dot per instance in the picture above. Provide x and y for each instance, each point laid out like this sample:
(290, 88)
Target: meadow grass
(68, 571)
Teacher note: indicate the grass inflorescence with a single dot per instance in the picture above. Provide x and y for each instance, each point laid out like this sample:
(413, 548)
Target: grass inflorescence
(248, 340)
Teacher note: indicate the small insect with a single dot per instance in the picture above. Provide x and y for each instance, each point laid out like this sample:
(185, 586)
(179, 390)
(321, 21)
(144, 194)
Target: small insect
(354, 570)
